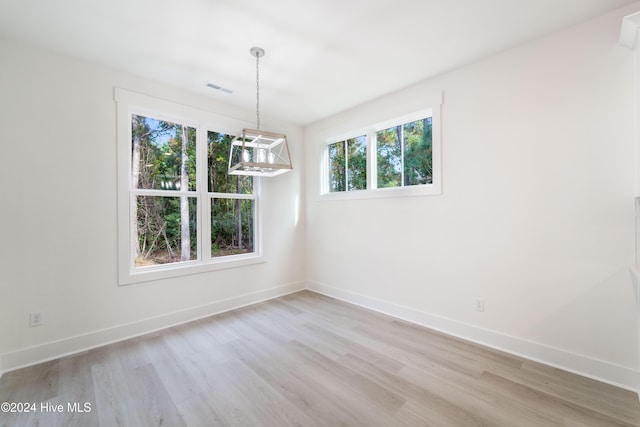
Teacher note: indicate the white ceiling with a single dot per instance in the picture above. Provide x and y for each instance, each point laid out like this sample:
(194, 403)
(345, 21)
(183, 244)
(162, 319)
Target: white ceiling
(322, 56)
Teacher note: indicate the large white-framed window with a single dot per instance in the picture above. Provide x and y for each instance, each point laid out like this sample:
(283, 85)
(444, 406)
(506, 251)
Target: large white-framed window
(179, 212)
(390, 158)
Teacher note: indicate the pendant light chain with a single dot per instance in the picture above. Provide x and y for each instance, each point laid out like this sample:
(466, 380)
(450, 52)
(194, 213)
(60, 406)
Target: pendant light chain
(258, 90)
(257, 153)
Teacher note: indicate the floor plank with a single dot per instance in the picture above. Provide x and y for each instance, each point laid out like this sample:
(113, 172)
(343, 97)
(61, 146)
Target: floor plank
(308, 360)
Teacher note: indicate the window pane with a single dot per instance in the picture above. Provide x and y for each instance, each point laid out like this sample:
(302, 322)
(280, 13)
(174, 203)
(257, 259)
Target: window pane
(163, 155)
(219, 145)
(337, 167)
(166, 230)
(418, 153)
(389, 156)
(232, 226)
(357, 163)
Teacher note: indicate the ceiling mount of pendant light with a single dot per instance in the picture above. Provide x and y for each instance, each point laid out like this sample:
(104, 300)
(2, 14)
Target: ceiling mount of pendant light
(256, 152)
(257, 52)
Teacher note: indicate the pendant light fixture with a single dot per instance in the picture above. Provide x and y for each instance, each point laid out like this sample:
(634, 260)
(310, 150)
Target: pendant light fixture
(256, 152)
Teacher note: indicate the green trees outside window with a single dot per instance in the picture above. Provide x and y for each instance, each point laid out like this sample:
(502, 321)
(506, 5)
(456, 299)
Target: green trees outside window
(163, 158)
(232, 217)
(164, 172)
(402, 157)
(405, 154)
(159, 228)
(348, 167)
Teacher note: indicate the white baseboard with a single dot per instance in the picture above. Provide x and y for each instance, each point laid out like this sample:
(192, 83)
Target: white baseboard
(67, 346)
(620, 376)
(606, 372)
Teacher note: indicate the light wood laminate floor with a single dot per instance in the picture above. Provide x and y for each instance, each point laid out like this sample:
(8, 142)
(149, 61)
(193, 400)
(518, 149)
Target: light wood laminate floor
(308, 360)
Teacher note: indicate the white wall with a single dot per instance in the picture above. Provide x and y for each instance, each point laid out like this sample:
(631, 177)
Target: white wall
(536, 214)
(58, 215)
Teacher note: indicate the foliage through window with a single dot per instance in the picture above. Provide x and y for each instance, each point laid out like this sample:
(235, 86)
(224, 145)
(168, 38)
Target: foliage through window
(231, 201)
(405, 154)
(179, 212)
(402, 155)
(348, 164)
(163, 179)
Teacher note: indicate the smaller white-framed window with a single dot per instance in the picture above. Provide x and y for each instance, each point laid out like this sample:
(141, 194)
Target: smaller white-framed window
(392, 158)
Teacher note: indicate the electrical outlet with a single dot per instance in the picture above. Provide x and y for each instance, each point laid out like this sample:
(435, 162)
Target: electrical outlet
(35, 319)
(478, 304)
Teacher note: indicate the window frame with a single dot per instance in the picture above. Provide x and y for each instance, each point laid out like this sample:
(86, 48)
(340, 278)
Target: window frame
(370, 130)
(128, 103)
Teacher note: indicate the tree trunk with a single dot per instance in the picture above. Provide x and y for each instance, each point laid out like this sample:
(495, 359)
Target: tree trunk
(136, 127)
(185, 238)
(240, 245)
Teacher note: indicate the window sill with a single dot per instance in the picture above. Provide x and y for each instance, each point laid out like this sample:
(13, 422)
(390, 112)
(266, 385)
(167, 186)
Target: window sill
(147, 274)
(413, 191)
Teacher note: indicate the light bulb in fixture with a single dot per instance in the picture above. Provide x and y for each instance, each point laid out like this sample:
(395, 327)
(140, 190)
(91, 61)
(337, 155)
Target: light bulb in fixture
(262, 155)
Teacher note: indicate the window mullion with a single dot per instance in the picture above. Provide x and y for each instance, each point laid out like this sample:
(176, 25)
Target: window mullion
(256, 187)
(372, 165)
(133, 227)
(204, 208)
(401, 142)
(346, 165)
(233, 195)
(164, 193)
